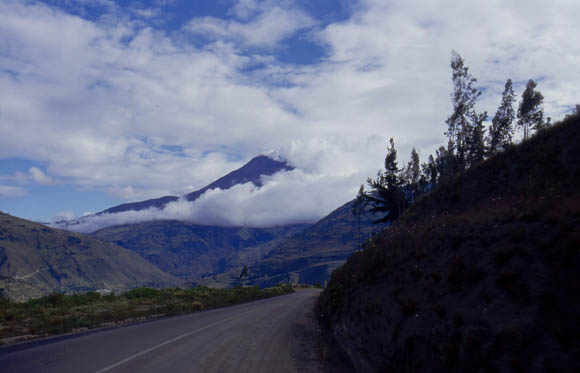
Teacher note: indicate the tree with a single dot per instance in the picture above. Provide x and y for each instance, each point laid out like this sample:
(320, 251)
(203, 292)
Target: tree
(501, 130)
(445, 161)
(413, 168)
(430, 170)
(387, 194)
(411, 175)
(358, 209)
(464, 122)
(530, 112)
(475, 142)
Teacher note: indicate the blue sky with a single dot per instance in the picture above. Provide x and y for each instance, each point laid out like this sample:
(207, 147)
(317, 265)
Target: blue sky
(104, 101)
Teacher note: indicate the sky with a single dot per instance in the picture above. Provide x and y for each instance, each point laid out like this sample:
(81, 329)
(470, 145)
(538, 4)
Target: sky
(109, 101)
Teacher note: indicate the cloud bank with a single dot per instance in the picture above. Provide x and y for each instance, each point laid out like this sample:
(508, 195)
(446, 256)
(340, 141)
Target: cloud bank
(123, 104)
(286, 198)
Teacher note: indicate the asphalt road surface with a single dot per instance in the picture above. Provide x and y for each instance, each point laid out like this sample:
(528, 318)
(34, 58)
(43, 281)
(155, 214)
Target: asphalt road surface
(270, 335)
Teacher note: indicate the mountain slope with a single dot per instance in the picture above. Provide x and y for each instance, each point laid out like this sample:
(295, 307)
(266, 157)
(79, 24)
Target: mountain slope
(189, 251)
(311, 255)
(36, 260)
(215, 256)
(251, 172)
(483, 274)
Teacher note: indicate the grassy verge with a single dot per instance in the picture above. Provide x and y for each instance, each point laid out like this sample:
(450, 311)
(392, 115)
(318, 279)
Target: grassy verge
(59, 313)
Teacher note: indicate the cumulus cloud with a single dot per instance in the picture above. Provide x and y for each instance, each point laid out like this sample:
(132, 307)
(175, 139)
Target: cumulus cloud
(127, 107)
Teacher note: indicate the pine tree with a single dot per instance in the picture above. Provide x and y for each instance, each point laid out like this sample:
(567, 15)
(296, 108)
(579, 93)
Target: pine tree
(387, 194)
(530, 112)
(501, 131)
(463, 123)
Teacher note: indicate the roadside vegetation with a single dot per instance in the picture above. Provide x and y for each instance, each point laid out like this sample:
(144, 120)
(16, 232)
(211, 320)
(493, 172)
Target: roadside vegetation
(59, 313)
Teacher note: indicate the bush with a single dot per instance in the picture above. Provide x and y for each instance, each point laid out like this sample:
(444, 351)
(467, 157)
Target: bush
(139, 293)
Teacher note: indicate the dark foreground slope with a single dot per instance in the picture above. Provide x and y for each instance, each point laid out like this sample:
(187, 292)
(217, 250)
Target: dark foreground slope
(36, 260)
(481, 275)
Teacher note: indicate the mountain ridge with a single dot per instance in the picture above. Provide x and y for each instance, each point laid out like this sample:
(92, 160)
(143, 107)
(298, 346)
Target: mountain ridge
(189, 250)
(252, 171)
(36, 259)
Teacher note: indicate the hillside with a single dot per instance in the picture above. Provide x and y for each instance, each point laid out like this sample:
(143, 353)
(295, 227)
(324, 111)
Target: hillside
(36, 260)
(251, 172)
(215, 256)
(311, 255)
(190, 251)
(483, 274)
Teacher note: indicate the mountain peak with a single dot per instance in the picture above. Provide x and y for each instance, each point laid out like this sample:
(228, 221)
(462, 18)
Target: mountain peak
(251, 172)
(261, 165)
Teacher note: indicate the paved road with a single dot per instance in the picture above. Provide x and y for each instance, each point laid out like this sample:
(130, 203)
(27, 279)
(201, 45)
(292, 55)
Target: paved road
(262, 336)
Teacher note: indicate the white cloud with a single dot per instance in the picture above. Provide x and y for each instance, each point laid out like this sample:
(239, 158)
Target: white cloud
(34, 175)
(271, 25)
(286, 198)
(40, 177)
(100, 102)
(11, 191)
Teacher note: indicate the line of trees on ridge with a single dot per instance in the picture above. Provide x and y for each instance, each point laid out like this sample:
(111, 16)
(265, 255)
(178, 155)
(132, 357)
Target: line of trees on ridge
(469, 142)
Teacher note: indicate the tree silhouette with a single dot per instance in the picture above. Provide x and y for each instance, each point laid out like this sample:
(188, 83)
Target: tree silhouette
(386, 194)
(530, 112)
(464, 125)
(501, 131)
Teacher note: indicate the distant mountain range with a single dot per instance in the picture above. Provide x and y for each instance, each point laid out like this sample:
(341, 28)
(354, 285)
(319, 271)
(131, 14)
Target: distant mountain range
(191, 251)
(215, 256)
(36, 260)
(251, 172)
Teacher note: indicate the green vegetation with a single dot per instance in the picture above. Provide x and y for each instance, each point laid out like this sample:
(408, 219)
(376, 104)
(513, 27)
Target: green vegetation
(59, 313)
